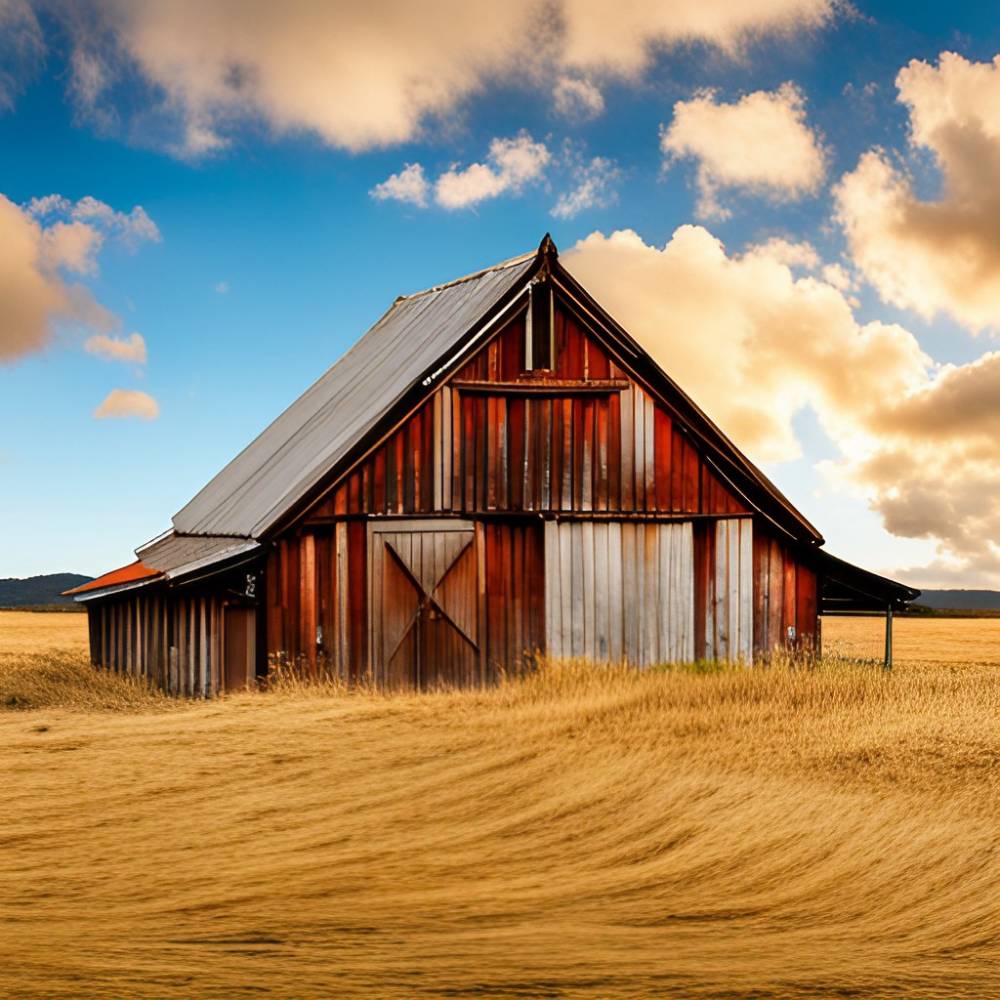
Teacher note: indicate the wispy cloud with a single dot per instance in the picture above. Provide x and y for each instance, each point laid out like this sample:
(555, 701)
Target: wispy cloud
(593, 187)
(132, 348)
(577, 98)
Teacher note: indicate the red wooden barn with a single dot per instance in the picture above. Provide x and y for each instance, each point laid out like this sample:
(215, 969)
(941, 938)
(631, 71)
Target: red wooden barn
(495, 469)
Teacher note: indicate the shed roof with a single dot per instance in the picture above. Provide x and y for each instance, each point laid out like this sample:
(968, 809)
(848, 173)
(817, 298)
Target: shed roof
(170, 557)
(132, 573)
(846, 588)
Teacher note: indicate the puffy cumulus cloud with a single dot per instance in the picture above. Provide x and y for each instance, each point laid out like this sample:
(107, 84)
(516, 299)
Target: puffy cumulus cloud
(938, 255)
(42, 246)
(754, 343)
(409, 185)
(120, 404)
(367, 75)
(512, 164)
(577, 98)
(935, 471)
(761, 144)
(132, 348)
(593, 186)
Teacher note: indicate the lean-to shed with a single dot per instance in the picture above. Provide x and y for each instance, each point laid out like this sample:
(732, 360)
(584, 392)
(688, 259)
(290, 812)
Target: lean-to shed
(495, 469)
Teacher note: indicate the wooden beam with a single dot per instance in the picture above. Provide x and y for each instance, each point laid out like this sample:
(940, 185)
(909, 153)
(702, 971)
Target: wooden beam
(543, 387)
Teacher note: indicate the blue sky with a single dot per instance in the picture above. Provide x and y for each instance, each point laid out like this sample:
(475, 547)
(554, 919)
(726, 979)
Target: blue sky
(273, 255)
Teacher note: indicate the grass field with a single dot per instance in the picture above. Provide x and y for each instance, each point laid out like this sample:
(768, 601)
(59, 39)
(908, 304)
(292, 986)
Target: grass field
(586, 832)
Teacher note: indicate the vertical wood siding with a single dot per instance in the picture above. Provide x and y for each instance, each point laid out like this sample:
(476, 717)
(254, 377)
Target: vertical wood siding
(729, 620)
(317, 601)
(173, 641)
(493, 592)
(619, 591)
(463, 451)
(785, 598)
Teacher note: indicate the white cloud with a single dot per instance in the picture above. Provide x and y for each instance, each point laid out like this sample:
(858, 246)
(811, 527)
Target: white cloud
(360, 76)
(761, 144)
(755, 344)
(623, 37)
(132, 227)
(752, 342)
(122, 403)
(41, 247)
(593, 188)
(409, 185)
(577, 98)
(938, 255)
(132, 348)
(513, 163)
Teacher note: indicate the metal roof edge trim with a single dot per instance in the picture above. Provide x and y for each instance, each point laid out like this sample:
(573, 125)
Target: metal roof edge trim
(218, 557)
(117, 588)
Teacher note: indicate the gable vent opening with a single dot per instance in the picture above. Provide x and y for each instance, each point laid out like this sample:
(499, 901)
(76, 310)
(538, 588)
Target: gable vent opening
(539, 346)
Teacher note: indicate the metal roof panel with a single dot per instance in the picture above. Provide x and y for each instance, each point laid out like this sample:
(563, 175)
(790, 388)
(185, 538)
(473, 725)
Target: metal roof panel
(294, 453)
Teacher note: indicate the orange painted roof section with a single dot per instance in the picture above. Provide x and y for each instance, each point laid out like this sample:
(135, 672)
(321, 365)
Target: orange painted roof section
(125, 574)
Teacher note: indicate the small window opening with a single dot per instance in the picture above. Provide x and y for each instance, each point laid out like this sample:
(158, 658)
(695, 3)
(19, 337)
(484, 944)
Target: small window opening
(540, 327)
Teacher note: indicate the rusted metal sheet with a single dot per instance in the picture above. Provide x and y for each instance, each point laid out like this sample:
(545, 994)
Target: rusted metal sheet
(619, 591)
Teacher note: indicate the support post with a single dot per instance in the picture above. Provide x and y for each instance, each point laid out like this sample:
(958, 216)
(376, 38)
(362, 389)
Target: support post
(887, 665)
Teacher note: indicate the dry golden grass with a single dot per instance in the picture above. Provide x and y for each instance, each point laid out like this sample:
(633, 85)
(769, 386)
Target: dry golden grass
(942, 640)
(586, 832)
(41, 632)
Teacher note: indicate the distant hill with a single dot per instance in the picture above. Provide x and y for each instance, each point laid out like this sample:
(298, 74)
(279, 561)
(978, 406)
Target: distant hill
(35, 590)
(960, 600)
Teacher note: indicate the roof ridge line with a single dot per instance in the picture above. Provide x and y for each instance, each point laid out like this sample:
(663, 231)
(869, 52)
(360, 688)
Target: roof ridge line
(510, 262)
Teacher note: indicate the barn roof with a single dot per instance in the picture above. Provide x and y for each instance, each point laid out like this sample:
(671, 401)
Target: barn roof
(284, 462)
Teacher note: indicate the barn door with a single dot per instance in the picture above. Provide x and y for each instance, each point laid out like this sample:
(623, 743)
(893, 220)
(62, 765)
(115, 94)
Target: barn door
(240, 628)
(424, 580)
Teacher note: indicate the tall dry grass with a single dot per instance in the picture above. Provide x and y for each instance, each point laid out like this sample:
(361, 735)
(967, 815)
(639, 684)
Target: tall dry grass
(588, 831)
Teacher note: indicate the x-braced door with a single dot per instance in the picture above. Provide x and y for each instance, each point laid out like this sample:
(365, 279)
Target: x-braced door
(425, 603)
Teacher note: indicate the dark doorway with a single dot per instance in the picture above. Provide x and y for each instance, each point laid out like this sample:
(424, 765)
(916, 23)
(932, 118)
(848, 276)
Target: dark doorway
(241, 646)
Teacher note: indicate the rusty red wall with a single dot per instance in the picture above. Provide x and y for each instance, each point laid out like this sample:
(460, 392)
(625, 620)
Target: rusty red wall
(467, 451)
(320, 578)
(785, 596)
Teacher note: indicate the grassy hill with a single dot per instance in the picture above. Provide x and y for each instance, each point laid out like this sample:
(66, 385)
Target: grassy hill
(961, 600)
(33, 591)
(588, 832)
